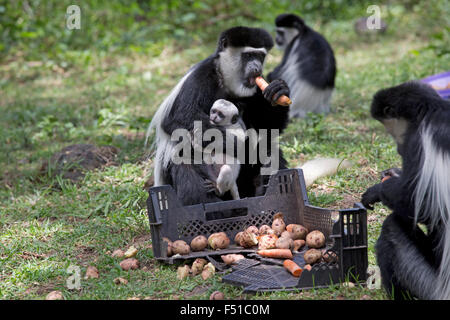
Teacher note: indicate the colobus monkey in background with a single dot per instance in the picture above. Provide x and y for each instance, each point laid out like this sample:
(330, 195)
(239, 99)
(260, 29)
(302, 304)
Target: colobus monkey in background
(229, 73)
(225, 169)
(413, 262)
(308, 66)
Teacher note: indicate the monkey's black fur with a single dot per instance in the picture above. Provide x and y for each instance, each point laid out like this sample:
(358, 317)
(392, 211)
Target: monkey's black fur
(409, 259)
(206, 84)
(317, 64)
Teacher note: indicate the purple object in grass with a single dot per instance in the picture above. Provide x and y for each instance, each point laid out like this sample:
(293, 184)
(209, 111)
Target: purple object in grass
(440, 80)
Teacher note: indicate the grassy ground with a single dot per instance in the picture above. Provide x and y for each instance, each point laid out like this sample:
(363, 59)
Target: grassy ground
(47, 224)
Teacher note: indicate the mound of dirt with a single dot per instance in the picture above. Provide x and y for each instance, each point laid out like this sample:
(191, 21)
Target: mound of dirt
(73, 161)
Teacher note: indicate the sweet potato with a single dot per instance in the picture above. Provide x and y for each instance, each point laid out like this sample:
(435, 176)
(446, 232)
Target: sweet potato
(276, 253)
(292, 267)
(298, 244)
(262, 84)
(315, 239)
(232, 258)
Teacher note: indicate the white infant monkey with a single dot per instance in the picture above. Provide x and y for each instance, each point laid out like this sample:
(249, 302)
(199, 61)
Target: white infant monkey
(225, 114)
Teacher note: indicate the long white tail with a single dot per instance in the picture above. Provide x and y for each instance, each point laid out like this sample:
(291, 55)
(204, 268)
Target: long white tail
(322, 167)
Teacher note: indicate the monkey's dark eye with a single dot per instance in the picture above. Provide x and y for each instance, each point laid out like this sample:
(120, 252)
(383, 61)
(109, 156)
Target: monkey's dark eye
(234, 119)
(220, 114)
(389, 112)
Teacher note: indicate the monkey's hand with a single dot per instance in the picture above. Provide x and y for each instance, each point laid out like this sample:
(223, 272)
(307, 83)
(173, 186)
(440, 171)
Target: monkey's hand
(276, 89)
(392, 172)
(211, 187)
(371, 196)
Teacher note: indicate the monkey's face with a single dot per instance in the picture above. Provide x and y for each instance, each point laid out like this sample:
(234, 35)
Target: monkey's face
(284, 36)
(252, 61)
(223, 113)
(239, 67)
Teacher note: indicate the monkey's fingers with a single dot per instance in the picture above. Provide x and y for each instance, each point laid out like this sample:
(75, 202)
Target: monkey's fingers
(269, 91)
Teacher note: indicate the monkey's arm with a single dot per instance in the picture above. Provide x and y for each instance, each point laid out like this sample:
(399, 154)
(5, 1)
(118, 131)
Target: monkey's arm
(387, 192)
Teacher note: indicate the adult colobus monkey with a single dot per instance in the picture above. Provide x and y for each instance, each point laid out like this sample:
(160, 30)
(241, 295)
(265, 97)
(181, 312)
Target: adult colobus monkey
(411, 261)
(308, 66)
(229, 74)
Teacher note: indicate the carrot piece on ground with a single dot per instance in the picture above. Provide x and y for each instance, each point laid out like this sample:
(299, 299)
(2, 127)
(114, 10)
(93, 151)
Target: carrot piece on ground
(276, 253)
(292, 267)
(262, 84)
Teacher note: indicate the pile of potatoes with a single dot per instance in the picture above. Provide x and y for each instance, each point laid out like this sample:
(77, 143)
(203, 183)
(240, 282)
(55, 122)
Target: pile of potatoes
(277, 236)
(216, 241)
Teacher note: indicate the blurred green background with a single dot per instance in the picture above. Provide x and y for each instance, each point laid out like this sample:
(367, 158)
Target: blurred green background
(37, 28)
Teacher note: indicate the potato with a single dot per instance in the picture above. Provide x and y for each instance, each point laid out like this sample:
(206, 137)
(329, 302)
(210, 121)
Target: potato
(218, 240)
(267, 241)
(278, 224)
(248, 239)
(232, 258)
(237, 238)
(329, 256)
(298, 244)
(197, 266)
(169, 246)
(298, 231)
(180, 247)
(217, 295)
(286, 234)
(312, 256)
(253, 229)
(130, 263)
(208, 271)
(131, 252)
(315, 239)
(285, 243)
(265, 229)
(199, 243)
(183, 272)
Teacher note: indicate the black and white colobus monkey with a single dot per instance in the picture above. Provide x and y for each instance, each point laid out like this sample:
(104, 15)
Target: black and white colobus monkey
(229, 74)
(308, 66)
(411, 261)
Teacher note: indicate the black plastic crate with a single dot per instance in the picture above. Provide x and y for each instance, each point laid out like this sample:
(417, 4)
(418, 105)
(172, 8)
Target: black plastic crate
(345, 230)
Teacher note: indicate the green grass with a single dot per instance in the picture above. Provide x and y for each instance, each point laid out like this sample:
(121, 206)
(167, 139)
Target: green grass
(47, 224)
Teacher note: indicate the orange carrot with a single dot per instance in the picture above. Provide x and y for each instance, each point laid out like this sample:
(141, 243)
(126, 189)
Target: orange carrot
(385, 178)
(262, 84)
(276, 253)
(292, 267)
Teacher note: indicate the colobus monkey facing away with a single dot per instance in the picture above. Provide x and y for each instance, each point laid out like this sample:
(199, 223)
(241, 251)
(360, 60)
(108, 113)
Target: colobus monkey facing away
(411, 261)
(228, 74)
(225, 169)
(308, 66)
